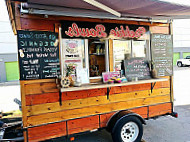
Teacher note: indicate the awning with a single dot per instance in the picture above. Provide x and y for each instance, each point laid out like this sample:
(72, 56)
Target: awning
(138, 9)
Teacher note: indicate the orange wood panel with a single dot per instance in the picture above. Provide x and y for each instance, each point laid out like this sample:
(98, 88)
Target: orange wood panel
(142, 111)
(159, 29)
(54, 97)
(104, 118)
(39, 88)
(130, 88)
(94, 110)
(83, 124)
(164, 84)
(97, 92)
(42, 98)
(83, 94)
(48, 131)
(74, 95)
(111, 65)
(37, 24)
(160, 109)
(32, 16)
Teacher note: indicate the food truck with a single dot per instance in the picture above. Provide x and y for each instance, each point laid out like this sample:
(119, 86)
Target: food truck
(88, 65)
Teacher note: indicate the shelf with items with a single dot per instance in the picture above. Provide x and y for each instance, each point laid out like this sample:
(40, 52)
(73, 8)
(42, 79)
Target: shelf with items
(100, 54)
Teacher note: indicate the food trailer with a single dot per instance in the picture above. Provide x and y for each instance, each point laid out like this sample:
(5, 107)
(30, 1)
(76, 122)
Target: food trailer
(83, 69)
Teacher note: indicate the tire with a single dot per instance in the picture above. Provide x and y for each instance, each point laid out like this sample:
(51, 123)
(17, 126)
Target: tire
(179, 64)
(128, 129)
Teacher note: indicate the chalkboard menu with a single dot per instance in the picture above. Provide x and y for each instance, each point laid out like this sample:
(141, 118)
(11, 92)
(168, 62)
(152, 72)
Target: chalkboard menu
(38, 53)
(162, 54)
(137, 67)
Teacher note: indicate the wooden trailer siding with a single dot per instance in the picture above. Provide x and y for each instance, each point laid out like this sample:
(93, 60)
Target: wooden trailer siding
(104, 118)
(40, 109)
(93, 101)
(48, 131)
(83, 124)
(161, 109)
(38, 24)
(93, 110)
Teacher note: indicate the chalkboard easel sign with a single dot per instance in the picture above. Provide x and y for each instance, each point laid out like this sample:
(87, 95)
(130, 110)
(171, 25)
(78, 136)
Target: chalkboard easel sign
(38, 53)
(137, 68)
(162, 54)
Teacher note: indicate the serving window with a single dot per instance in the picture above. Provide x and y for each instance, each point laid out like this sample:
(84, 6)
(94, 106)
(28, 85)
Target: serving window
(96, 49)
(126, 49)
(90, 55)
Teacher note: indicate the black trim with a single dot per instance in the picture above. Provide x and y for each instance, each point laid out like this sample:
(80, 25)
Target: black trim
(152, 86)
(108, 92)
(60, 98)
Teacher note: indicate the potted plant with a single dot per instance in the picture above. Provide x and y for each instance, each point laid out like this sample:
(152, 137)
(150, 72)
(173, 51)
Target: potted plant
(70, 72)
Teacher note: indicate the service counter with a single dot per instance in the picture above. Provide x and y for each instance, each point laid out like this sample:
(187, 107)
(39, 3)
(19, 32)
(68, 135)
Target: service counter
(98, 85)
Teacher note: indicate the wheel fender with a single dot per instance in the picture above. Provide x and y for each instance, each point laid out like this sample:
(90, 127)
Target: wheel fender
(118, 117)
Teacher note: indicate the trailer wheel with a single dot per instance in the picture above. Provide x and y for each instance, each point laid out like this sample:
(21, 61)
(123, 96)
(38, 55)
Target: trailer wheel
(128, 129)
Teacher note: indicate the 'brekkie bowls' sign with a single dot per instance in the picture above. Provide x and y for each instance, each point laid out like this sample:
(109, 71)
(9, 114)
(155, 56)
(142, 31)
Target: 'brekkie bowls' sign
(72, 29)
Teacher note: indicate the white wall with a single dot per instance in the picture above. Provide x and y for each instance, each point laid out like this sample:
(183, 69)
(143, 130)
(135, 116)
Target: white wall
(181, 33)
(8, 41)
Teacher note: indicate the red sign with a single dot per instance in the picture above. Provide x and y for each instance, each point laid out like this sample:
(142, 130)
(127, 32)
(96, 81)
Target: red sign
(87, 30)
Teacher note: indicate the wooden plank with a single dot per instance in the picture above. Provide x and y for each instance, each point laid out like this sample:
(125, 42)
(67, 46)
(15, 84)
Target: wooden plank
(159, 30)
(83, 124)
(54, 97)
(17, 16)
(171, 89)
(42, 98)
(31, 24)
(111, 55)
(57, 25)
(142, 111)
(92, 101)
(98, 86)
(131, 88)
(48, 131)
(94, 110)
(35, 81)
(24, 111)
(59, 18)
(41, 88)
(104, 118)
(23, 104)
(160, 109)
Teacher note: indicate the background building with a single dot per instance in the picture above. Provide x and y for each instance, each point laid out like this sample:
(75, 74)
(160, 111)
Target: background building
(8, 48)
(181, 39)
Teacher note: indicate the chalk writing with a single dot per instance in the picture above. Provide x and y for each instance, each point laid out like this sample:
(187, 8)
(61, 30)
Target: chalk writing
(39, 56)
(162, 53)
(137, 67)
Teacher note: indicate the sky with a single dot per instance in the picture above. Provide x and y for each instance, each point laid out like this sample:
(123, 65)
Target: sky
(3, 11)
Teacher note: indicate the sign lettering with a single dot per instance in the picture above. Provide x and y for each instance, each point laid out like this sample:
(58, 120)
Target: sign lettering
(97, 30)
